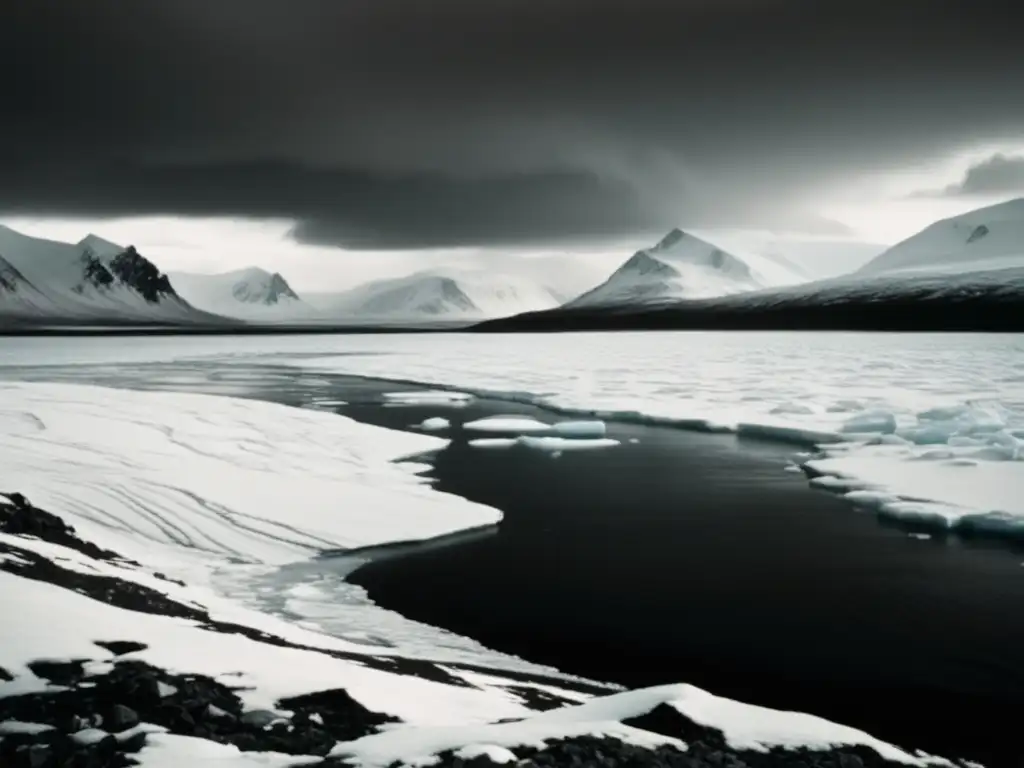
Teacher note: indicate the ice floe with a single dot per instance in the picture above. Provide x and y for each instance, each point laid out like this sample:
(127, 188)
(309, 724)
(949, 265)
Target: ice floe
(929, 422)
(428, 397)
(434, 424)
(520, 425)
(547, 444)
(251, 480)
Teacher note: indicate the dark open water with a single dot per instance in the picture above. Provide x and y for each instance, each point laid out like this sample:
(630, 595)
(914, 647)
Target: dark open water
(695, 558)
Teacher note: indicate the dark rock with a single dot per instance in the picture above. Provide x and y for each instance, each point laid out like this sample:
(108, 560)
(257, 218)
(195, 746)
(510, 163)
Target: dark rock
(121, 647)
(5, 675)
(140, 274)
(538, 699)
(131, 596)
(121, 718)
(106, 589)
(176, 718)
(133, 743)
(850, 761)
(94, 272)
(18, 500)
(259, 718)
(59, 672)
(39, 755)
(669, 721)
(20, 518)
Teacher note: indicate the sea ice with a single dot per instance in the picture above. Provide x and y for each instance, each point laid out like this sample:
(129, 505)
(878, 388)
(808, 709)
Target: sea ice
(428, 397)
(580, 429)
(546, 444)
(434, 424)
(250, 480)
(948, 392)
(520, 425)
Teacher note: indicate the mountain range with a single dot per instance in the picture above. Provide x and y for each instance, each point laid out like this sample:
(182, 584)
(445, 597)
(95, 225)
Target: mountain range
(693, 273)
(965, 272)
(92, 280)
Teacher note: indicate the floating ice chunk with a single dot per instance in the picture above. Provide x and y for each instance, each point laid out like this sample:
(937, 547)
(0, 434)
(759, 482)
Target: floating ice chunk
(634, 440)
(566, 444)
(580, 429)
(434, 424)
(993, 453)
(520, 425)
(945, 413)
(937, 433)
(428, 397)
(549, 444)
(490, 443)
(870, 421)
(961, 441)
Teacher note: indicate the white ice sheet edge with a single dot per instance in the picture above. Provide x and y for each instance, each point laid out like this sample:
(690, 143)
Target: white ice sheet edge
(985, 440)
(242, 479)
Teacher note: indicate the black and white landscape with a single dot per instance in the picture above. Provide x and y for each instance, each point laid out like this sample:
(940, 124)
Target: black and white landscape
(612, 384)
(961, 273)
(43, 281)
(161, 625)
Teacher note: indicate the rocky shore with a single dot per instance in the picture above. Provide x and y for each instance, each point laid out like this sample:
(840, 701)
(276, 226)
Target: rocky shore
(103, 712)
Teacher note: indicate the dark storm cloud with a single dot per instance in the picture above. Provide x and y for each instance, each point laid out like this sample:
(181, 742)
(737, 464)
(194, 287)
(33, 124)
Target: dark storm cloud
(996, 175)
(398, 123)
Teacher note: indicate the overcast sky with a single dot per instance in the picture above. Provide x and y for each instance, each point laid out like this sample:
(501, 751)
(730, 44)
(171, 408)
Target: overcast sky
(379, 132)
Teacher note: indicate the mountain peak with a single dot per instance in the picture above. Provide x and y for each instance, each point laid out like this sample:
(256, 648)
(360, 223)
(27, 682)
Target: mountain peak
(991, 237)
(99, 247)
(672, 238)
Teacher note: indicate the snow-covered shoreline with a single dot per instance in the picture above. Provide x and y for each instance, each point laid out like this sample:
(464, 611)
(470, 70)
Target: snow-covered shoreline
(88, 621)
(143, 672)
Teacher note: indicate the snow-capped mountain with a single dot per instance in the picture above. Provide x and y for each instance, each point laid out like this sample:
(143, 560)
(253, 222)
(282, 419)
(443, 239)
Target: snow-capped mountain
(250, 294)
(985, 238)
(979, 300)
(93, 279)
(439, 295)
(817, 257)
(684, 266)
